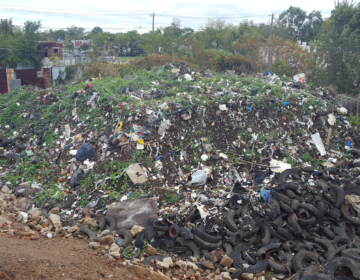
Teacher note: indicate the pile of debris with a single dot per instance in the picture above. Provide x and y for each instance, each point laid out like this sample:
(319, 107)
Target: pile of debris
(242, 174)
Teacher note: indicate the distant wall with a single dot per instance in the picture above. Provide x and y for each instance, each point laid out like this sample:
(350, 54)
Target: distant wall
(3, 81)
(28, 77)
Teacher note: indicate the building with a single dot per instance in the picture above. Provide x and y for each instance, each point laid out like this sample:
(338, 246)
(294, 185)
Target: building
(51, 49)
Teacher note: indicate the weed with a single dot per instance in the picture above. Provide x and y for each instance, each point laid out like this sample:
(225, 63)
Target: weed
(354, 120)
(171, 197)
(50, 191)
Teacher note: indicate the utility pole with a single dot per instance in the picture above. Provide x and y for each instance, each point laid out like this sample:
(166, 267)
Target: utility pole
(153, 21)
(271, 34)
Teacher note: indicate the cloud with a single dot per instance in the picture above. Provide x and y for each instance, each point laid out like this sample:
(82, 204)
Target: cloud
(132, 14)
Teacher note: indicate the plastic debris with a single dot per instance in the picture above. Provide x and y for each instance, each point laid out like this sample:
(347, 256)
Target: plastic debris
(342, 110)
(316, 138)
(278, 166)
(188, 77)
(137, 173)
(349, 144)
(133, 212)
(249, 108)
(223, 107)
(119, 127)
(286, 103)
(299, 78)
(86, 151)
(265, 194)
(199, 177)
(164, 125)
(331, 119)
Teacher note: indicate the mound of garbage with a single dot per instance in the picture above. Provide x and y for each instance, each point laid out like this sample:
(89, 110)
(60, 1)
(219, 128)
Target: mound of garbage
(239, 176)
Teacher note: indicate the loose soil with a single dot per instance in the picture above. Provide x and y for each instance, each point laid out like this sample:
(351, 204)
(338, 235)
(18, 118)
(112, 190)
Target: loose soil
(65, 259)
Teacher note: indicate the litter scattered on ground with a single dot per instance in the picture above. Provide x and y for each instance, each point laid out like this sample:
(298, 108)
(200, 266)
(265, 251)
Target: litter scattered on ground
(206, 175)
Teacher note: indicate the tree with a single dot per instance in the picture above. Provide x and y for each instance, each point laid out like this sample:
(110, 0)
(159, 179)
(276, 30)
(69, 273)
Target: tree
(6, 26)
(56, 35)
(28, 44)
(75, 33)
(311, 26)
(293, 20)
(295, 24)
(96, 29)
(338, 48)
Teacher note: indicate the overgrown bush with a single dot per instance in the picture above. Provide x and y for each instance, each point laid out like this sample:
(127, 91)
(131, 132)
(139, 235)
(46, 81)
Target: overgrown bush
(70, 72)
(109, 70)
(220, 60)
(152, 60)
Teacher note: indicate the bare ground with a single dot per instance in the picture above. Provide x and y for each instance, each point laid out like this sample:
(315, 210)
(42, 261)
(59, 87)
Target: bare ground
(59, 258)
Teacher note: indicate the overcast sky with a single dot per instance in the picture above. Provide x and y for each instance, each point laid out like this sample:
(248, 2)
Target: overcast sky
(124, 15)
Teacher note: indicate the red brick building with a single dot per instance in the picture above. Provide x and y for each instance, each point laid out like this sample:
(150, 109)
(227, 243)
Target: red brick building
(51, 48)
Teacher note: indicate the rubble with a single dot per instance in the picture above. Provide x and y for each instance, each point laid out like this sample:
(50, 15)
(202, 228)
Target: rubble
(234, 175)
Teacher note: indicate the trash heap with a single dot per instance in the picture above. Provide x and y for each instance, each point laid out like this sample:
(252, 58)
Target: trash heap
(242, 175)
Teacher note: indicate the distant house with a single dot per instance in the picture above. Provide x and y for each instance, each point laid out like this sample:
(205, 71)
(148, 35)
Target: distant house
(40, 78)
(51, 49)
(82, 44)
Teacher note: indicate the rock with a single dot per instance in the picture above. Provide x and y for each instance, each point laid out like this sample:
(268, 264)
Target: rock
(86, 151)
(181, 264)
(207, 264)
(4, 221)
(192, 265)
(225, 276)
(56, 222)
(165, 263)
(90, 221)
(217, 255)
(114, 251)
(5, 189)
(94, 245)
(23, 217)
(23, 203)
(35, 213)
(107, 240)
(78, 138)
(137, 174)
(208, 147)
(150, 250)
(73, 229)
(247, 276)
(136, 229)
(55, 210)
(354, 200)
(226, 261)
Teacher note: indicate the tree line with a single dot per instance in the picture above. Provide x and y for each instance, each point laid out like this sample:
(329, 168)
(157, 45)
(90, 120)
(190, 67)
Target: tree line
(330, 58)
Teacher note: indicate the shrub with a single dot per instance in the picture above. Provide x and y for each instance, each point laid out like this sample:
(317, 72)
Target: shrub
(152, 60)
